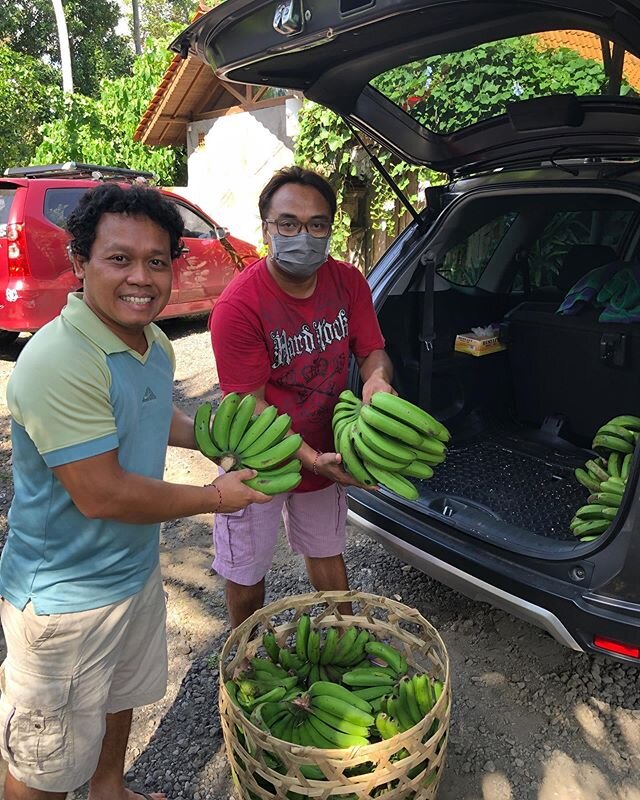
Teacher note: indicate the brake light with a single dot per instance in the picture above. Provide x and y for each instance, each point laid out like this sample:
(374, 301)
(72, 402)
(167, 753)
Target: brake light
(617, 647)
(17, 251)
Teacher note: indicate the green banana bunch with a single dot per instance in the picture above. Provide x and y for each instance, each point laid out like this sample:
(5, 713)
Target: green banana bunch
(606, 477)
(388, 442)
(237, 438)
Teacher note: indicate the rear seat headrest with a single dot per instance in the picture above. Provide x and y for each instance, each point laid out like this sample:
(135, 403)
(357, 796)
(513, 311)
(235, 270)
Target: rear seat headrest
(580, 259)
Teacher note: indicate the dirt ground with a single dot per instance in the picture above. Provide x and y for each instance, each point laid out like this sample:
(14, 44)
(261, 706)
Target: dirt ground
(531, 720)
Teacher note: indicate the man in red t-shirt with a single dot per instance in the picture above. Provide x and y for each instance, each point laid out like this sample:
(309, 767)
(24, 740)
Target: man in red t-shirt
(283, 331)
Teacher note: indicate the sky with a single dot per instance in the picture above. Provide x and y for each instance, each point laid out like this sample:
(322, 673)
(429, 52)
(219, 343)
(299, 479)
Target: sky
(123, 25)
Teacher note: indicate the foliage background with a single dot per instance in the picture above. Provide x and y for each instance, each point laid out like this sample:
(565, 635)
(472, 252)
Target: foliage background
(100, 130)
(97, 51)
(112, 86)
(28, 98)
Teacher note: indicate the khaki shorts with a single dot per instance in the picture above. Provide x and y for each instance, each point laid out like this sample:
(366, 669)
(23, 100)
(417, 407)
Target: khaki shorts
(63, 674)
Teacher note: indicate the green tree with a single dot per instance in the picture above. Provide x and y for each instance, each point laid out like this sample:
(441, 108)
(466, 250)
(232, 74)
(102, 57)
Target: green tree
(28, 98)
(444, 93)
(97, 51)
(100, 131)
(164, 19)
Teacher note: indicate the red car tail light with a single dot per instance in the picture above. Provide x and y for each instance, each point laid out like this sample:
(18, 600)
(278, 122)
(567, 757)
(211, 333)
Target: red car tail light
(17, 251)
(620, 648)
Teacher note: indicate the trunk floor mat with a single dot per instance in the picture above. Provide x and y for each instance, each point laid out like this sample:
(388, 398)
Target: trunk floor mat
(531, 492)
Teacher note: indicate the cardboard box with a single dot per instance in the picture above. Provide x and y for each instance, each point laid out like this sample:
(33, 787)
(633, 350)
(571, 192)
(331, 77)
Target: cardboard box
(476, 345)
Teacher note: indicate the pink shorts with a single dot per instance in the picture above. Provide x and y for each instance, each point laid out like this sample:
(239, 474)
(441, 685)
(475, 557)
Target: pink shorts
(246, 540)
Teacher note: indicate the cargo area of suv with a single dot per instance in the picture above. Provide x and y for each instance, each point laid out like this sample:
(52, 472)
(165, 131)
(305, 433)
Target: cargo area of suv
(522, 418)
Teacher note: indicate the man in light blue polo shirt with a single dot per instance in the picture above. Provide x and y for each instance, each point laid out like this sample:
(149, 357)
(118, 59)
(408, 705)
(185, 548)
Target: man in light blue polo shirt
(83, 608)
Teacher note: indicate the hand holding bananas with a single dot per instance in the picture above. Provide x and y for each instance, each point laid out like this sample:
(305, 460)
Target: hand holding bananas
(237, 439)
(606, 476)
(231, 492)
(329, 689)
(388, 441)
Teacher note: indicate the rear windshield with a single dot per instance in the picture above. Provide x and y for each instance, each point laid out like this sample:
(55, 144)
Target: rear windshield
(450, 92)
(59, 203)
(6, 198)
(536, 240)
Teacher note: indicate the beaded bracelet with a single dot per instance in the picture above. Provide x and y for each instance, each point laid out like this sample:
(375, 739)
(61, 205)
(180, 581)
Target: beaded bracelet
(217, 508)
(314, 466)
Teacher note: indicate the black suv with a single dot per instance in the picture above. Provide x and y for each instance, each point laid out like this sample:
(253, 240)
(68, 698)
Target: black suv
(538, 197)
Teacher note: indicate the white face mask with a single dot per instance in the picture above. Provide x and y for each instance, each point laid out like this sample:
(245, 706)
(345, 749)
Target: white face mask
(301, 255)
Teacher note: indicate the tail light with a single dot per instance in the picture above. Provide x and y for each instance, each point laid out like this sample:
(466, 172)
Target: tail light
(618, 648)
(17, 251)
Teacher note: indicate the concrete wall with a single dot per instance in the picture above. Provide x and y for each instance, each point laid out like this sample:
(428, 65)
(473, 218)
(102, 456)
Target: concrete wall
(232, 157)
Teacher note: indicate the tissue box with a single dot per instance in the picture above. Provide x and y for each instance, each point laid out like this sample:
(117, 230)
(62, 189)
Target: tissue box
(478, 345)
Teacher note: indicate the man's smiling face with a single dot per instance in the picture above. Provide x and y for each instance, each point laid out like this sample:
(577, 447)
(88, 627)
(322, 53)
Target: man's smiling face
(127, 278)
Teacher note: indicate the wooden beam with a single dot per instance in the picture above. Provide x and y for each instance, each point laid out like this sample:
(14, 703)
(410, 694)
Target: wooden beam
(233, 91)
(173, 118)
(258, 92)
(225, 112)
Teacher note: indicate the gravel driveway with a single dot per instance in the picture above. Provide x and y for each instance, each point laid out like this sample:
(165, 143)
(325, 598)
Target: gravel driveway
(531, 720)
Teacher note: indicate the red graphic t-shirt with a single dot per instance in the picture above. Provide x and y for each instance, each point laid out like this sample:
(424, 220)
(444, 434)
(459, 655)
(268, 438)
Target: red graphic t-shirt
(297, 348)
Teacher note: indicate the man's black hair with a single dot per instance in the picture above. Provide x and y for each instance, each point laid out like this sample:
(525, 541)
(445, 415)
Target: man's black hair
(111, 198)
(303, 177)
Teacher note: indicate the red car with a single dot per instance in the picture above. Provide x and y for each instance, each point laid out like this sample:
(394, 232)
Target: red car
(35, 271)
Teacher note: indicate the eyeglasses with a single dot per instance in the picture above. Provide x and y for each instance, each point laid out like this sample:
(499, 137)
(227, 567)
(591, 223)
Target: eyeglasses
(290, 226)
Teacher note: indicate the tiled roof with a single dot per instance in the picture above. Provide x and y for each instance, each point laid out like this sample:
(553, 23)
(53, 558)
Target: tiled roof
(151, 117)
(588, 45)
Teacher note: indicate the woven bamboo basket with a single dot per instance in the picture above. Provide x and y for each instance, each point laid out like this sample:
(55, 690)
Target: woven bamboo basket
(355, 773)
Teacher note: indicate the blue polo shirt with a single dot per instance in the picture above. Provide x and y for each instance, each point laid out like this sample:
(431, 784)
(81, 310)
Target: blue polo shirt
(78, 391)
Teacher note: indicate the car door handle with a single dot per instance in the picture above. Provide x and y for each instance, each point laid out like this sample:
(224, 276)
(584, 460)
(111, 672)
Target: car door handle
(184, 251)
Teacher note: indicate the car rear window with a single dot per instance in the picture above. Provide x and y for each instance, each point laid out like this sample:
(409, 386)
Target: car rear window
(569, 228)
(464, 263)
(59, 203)
(6, 198)
(532, 236)
(450, 92)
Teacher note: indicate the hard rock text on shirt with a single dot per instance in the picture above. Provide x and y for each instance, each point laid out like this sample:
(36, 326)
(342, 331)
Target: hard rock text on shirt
(286, 348)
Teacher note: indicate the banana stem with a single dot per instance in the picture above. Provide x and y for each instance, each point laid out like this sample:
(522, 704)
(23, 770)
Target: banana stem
(228, 462)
